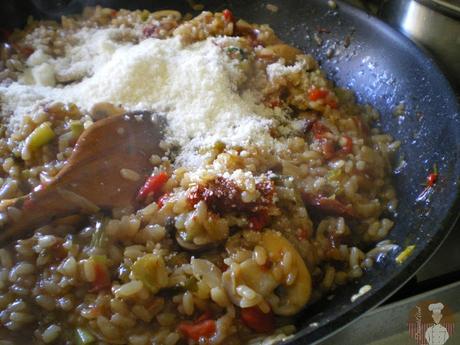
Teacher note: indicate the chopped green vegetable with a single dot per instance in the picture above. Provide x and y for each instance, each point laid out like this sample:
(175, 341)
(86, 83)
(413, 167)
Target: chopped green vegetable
(40, 136)
(219, 146)
(77, 128)
(100, 259)
(151, 271)
(145, 15)
(236, 52)
(84, 336)
(99, 238)
(405, 254)
(334, 174)
(191, 284)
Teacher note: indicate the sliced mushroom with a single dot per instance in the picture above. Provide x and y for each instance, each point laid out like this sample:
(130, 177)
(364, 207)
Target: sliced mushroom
(175, 15)
(285, 51)
(104, 109)
(297, 294)
(249, 273)
(201, 229)
(286, 295)
(205, 270)
(193, 247)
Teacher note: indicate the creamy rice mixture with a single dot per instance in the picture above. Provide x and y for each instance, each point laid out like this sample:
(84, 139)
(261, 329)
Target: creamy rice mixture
(273, 189)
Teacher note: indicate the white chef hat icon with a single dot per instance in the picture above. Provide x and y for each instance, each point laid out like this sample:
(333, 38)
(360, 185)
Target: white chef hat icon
(436, 308)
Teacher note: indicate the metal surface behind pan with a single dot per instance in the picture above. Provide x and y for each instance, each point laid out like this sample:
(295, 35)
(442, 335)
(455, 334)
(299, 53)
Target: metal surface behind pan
(383, 68)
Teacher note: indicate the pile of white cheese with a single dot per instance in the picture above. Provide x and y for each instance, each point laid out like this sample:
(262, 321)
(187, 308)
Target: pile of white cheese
(193, 86)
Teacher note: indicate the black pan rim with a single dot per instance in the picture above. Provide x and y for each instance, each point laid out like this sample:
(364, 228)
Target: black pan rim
(376, 297)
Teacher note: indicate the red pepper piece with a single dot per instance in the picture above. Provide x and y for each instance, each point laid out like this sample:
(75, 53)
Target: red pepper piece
(317, 94)
(431, 179)
(195, 331)
(153, 185)
(257, 320)
(228, 15)
(102, 278)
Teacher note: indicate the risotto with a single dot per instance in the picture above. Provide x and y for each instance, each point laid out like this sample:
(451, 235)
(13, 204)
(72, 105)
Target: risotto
(273, 189)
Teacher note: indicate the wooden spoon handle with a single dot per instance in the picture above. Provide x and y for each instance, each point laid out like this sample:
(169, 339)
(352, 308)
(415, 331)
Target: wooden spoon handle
(108, 165)
(22, 215)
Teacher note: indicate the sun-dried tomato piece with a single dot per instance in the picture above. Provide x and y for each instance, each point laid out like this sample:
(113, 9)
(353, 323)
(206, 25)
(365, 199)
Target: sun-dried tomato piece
(223, 195)
(328, 205)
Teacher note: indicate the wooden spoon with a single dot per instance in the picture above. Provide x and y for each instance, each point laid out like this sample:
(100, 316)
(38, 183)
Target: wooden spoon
(92, 179)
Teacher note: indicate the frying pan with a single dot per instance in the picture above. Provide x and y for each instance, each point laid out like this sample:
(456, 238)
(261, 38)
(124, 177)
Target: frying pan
(383, 68)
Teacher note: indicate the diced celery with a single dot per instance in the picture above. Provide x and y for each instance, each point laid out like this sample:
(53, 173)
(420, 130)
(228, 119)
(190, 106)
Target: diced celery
(334, 174)
(77, 128)
(191, 284)
(405, 254)
(40, 136)
(100, 259)
(145, 15)
(151, 271)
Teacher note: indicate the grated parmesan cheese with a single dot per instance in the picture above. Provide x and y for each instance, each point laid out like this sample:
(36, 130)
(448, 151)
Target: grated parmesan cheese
(193, 86)
(279, 69)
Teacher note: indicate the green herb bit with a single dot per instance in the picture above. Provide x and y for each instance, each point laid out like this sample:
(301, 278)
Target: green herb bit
(236, 52)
